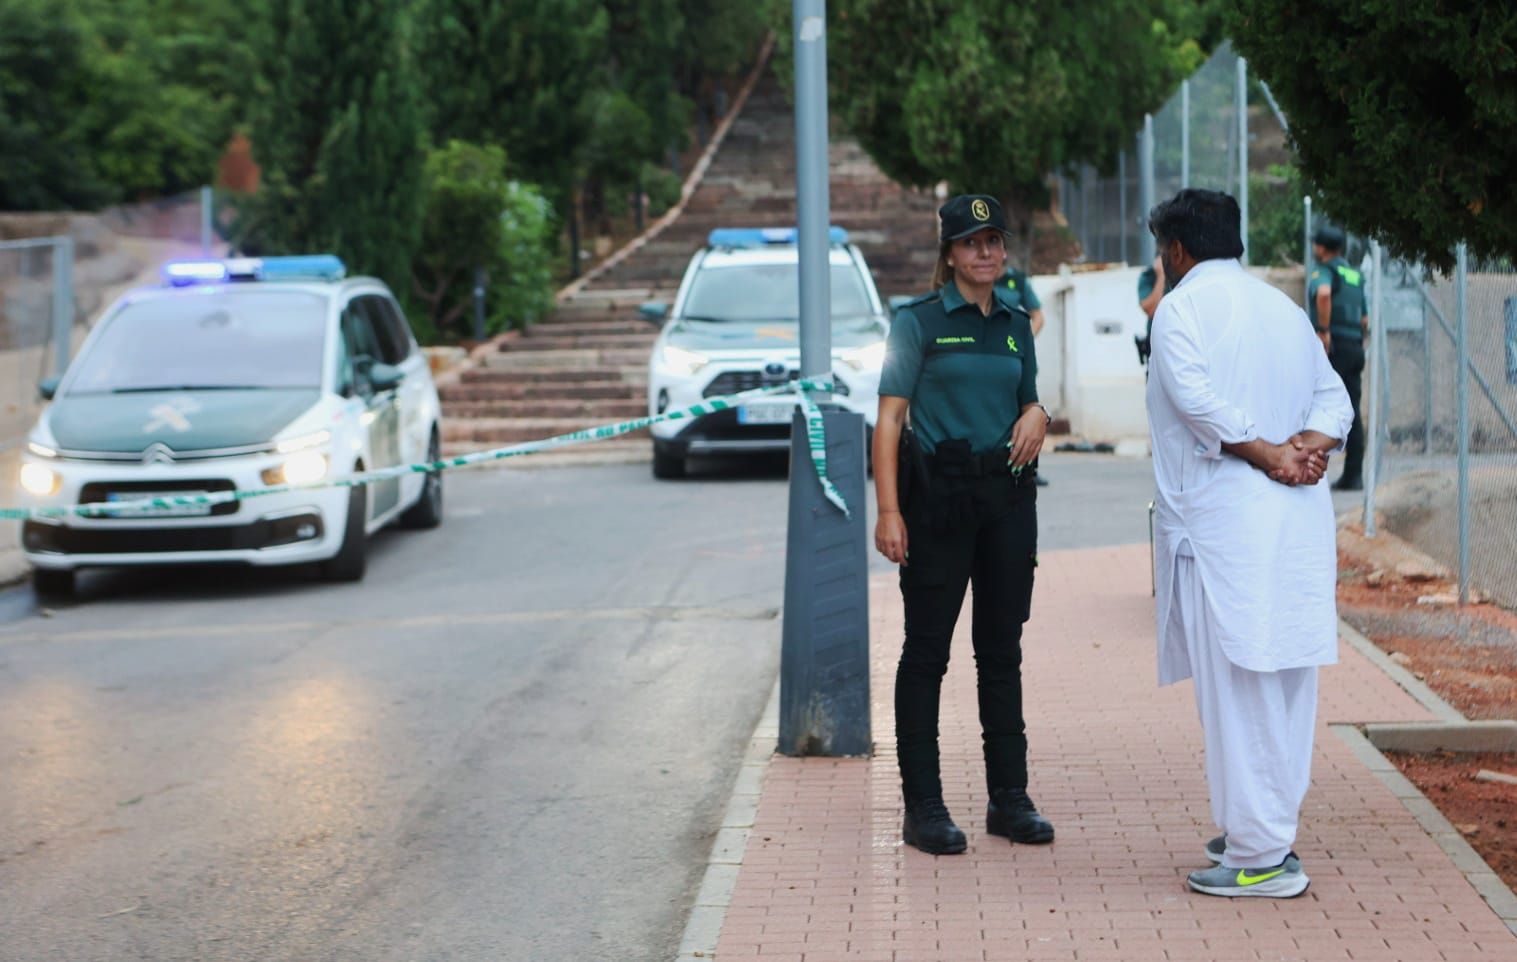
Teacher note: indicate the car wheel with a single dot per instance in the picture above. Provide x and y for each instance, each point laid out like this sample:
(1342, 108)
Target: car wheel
(352, 558)
(48, 583)
(667, 465)
(427, 511)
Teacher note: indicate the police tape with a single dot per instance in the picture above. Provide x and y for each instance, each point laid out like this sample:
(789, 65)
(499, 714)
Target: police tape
(802, 388)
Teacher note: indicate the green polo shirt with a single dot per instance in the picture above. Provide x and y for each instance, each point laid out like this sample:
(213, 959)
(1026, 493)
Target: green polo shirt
(1349, 297)
(1018, 289)
(1147, 281)
(967, 374)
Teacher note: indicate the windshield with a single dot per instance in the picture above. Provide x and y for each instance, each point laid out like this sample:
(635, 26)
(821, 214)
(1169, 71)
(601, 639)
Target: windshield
(769, 292)
(226, 340)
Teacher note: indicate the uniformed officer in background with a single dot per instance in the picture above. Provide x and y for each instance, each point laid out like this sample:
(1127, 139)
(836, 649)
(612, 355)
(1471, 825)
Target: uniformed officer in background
(1338, 306)
(958, 505)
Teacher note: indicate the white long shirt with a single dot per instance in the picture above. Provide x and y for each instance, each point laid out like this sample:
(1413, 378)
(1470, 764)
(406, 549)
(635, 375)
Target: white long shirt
(1234, 360)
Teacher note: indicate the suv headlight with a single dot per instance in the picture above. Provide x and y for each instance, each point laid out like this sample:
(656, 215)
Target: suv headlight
(681, 361)
(302, 468)
(870, 357)
(39, 479)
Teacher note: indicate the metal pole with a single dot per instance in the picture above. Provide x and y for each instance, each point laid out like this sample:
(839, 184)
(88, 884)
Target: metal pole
(1242, 109)
(1462, 347)
(1377, 339)
(824, 650)
(207, 200)
(1146, 186)
(1306, 260)
(1185, 133)
(1122, 203)
(1427, 381)
(63, 303)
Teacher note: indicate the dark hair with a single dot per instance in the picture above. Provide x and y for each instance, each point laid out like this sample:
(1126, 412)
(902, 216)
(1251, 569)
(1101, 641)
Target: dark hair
(1205, 222)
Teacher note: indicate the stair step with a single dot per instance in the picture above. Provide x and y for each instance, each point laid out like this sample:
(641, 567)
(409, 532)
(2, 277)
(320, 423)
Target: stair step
(503, 431)
(569, 360)
(617, 390)
(597, 411)
(554, 342)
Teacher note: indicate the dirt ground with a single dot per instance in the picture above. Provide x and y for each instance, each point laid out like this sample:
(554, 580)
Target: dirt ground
(1485, 813)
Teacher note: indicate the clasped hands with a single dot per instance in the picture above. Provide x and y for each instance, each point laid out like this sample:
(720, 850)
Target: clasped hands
(1301, 459)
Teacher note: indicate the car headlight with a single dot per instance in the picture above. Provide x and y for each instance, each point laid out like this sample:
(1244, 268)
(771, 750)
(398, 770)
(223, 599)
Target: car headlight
(682, 361)
(870, 357)
(303, 468)
(39, 479)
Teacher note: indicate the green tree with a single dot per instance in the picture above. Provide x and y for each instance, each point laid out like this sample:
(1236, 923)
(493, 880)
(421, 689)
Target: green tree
(991, 96)
(337, 132)
(1276, 216)
(520, 73)
(476, 216)
(1402, 113)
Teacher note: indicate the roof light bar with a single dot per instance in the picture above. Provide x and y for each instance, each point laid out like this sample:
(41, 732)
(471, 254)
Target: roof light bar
(734, 238)
(325, 267)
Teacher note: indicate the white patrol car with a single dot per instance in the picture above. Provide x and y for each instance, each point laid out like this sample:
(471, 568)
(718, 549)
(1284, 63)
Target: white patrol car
(235, 374)
(734, 327)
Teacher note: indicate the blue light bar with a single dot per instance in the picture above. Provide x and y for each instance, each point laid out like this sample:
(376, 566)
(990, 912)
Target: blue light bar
(325, 267)
(736, 238)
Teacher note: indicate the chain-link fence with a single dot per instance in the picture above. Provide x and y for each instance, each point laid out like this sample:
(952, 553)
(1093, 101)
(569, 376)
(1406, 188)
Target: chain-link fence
(1199, 138)
(36, 316)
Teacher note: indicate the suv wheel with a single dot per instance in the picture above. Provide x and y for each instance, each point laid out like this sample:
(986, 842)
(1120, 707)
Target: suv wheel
(666, 464)
(50, 583)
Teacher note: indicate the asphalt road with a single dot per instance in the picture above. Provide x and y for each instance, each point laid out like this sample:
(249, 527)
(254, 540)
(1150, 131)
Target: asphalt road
(513, 741)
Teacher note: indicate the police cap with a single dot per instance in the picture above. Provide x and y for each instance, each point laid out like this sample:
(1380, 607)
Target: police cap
(1330, 237)
(967, 214)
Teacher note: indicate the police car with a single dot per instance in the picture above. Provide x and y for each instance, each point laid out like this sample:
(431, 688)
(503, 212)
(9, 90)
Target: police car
(235, 374)
(733, 327)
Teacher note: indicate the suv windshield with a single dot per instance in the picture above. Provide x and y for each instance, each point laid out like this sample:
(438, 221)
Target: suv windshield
(768, 292)
(222, 340)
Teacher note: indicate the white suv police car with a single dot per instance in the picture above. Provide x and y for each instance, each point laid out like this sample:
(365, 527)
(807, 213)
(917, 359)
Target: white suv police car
(734, 327)
(235, 374)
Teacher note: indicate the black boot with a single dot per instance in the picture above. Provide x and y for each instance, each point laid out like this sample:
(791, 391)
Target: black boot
(929, 827)
(1013, 815)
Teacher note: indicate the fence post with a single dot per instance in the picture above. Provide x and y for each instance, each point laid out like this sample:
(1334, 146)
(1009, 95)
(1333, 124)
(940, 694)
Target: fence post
(63, 303)
(1122, 203)
(1242, 109)
(1462, 348)
(1427, 380)
(1306, 259)
(207, 217)
(1376, 416)
(1185, 133)
(1146, 186)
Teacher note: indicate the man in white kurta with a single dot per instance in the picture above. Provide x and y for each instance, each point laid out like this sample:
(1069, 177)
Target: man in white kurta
(1243, 407)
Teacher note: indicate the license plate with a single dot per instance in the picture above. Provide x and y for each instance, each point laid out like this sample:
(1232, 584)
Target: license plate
(177, 511)
(765, 413)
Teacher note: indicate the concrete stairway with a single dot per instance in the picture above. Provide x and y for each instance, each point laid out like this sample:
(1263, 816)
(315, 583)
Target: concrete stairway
(587, 363)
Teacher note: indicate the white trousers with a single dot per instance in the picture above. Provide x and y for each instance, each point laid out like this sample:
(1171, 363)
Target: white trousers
(1259, 728)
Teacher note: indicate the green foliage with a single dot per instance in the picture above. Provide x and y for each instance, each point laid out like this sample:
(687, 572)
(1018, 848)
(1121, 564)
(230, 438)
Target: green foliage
(662, 188)
(1276, 216)
(338, 136)
(476, 216)
(102, 101)
(991, 96)
(521, 73)
(1402, 113)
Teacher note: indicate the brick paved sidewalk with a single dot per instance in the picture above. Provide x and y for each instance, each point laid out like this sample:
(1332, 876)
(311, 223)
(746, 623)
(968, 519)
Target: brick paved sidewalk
(1116, 765)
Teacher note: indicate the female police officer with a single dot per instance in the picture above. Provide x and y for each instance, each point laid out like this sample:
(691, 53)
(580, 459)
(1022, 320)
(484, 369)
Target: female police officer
(957, 506)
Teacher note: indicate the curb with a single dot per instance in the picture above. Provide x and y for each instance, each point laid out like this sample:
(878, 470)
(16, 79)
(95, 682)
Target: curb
(704, 927)
(1481, 878)
(1457, 737)
(1425, 696)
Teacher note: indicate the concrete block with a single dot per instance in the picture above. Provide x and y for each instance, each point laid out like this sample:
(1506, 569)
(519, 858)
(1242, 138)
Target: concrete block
(1473, 736)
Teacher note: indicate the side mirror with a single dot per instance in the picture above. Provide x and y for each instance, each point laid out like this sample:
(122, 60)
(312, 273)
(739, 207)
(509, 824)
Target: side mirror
(898, 301)
(653, 312)
(48, 387)
(384, 377)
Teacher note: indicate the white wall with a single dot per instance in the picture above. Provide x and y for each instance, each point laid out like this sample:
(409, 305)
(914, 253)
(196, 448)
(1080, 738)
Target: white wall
(1088, 368)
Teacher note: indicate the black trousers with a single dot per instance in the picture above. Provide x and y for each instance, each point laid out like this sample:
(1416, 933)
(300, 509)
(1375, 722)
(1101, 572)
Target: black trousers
(1348, 360)
(990, 540)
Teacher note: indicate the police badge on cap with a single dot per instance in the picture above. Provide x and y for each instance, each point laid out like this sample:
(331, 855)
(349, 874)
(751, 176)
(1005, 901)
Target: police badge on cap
(968, 213)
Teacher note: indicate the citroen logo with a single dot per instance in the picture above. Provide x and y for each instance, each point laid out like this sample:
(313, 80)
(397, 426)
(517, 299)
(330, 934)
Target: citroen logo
(774, 369)
(158, 453)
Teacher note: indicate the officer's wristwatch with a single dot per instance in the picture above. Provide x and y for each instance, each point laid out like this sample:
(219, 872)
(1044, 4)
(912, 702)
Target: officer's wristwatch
(1040, 407)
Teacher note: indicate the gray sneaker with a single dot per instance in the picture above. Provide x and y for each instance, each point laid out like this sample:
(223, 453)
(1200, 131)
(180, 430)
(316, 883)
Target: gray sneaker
(1215, 848)
(1284, 881)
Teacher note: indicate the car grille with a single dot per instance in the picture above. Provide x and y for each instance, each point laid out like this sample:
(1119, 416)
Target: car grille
(269, 533)
(97, 492)
(735, 382)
